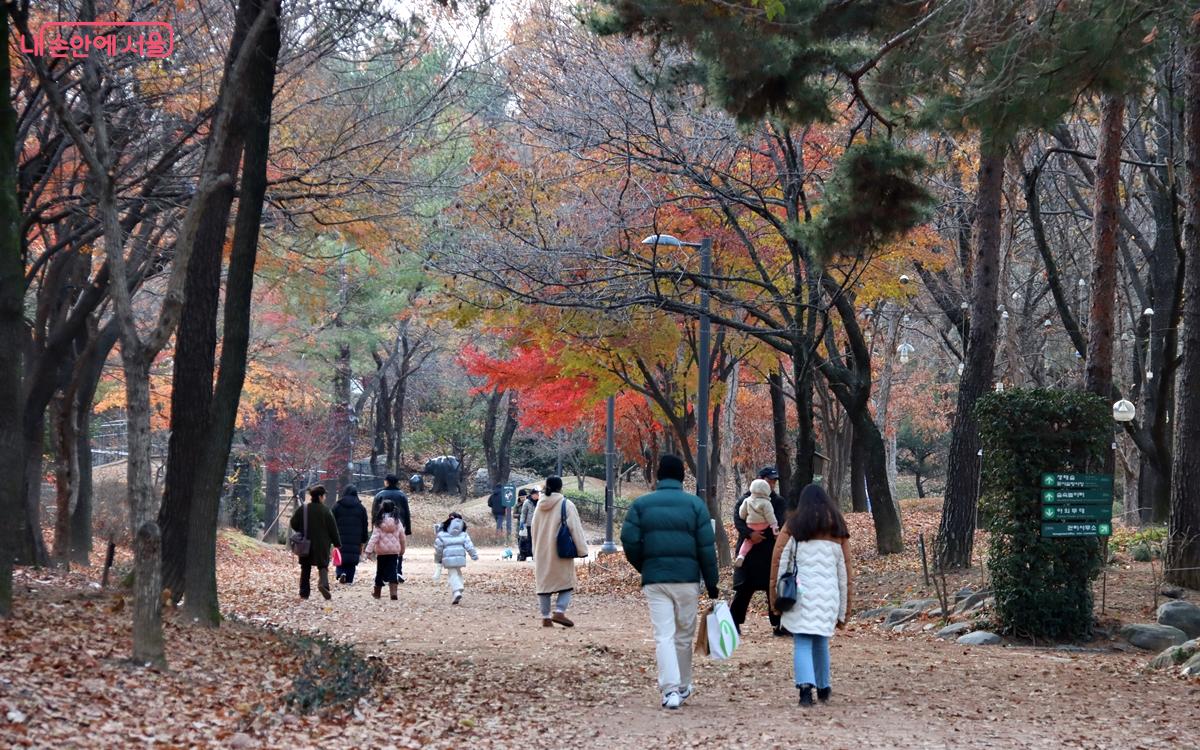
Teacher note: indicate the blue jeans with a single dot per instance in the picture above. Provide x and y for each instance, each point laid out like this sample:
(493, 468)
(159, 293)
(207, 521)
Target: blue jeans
(503, 519)
(811, 660)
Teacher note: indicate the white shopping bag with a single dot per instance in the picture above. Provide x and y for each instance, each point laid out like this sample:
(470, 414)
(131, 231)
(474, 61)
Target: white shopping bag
(722, 633)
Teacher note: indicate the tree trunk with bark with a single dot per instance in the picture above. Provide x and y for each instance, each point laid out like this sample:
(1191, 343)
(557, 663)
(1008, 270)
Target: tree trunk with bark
(1106, 224)
(195, 349)
(1183, 542)
(13, 334)
(87, 377)
(258, 84)
(956, 532)
(779, 429)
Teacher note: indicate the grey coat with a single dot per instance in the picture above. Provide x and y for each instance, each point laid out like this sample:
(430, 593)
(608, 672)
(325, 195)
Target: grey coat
(452, 546)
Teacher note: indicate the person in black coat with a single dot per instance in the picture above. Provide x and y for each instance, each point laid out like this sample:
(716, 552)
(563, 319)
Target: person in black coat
(755, 572)
(351, 519)
(391, 491)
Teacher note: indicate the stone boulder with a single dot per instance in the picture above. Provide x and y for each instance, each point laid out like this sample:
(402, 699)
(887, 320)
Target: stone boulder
(980, 638)
(1171, 592)
(1153, 637)
(974, 601)
(1192, 668)
(955, 630)
(1176, 655)
(899, 616)
(920, 605)
(868, 614)
(1182, 615)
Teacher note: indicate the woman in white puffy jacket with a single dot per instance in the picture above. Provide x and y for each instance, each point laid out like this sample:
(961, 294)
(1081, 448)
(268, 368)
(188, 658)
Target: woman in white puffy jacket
(815, 544)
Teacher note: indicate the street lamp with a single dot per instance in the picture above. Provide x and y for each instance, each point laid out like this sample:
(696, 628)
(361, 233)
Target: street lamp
(1124, 411)
(705, 247)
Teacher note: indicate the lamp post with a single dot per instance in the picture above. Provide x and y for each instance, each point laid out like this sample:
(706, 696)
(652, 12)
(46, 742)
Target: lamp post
(609, 476)
(705, 246)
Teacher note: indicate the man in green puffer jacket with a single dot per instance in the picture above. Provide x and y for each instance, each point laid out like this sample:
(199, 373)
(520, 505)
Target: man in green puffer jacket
(668, 537)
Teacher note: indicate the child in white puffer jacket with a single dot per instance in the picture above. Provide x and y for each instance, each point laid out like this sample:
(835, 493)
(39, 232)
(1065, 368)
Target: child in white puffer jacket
(450, 550)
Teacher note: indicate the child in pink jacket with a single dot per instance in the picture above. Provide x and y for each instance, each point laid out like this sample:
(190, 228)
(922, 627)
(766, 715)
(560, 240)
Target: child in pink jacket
(388, 542)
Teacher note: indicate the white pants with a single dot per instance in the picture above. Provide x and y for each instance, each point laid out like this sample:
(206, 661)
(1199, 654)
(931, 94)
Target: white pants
(673, 609)
(454, 577)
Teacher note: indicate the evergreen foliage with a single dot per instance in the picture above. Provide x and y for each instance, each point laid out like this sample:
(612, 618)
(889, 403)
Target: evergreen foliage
(1043, 586)
(873, 197)
(768, 58)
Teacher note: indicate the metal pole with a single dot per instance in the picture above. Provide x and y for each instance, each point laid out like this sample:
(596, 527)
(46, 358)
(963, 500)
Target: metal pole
(609, 467)
(703, 411)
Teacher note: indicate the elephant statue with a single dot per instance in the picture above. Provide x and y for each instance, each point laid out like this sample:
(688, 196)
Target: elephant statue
(446, 473)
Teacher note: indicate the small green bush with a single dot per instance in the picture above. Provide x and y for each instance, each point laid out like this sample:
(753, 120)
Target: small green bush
(1043, 586)
(1141, 552)
(333, 675)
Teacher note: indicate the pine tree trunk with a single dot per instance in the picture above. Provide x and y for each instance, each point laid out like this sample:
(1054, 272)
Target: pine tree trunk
(13, 335)
(1098, 374)
(956, 533)
(200, 581)
(1183, 544)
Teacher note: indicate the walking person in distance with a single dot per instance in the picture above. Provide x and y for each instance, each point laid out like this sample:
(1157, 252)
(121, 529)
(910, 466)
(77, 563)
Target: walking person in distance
(754, 574)
(668, 537)
(554, 576)
(319, 526)
(391, 491)
(351, 519)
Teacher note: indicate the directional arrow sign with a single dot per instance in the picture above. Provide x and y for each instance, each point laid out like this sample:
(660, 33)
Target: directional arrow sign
(1077, 496)
(1077, 512)
(1077, 481)
(1062, 529)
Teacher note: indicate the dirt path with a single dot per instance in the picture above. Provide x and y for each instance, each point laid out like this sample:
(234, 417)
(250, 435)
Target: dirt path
(485, 673)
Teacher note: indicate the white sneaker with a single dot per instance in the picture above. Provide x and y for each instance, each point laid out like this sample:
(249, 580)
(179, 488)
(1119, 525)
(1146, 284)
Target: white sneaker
(738, 562)
(672, 700)
(686, 693)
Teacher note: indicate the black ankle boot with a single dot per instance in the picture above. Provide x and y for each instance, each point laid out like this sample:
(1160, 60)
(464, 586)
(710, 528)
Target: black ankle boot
(824, 693)
(806, 695)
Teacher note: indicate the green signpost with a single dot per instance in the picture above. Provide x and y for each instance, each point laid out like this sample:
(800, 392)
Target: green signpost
(1076, 505)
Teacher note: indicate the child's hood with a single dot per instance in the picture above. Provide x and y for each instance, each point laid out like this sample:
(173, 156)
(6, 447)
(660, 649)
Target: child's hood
(388, 525)
(456, 527)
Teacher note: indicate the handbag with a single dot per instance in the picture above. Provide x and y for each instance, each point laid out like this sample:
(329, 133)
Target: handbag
(701, 646)
(336, 557)
(565, 542)
(299, 543)
(787, 591)
(723, 636)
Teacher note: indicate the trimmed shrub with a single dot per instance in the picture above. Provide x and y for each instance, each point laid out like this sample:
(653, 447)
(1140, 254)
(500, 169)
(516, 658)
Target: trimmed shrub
(1042, 586)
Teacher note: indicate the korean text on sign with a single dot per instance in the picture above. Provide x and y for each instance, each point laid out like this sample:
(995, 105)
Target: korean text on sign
(146, 39)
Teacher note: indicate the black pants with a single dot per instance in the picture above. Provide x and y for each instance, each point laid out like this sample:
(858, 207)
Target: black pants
(306, 578)
(386, 569)
(741, 603)
(399, 565)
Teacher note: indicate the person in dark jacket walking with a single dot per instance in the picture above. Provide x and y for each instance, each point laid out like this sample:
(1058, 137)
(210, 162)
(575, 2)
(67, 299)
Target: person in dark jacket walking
(668, 537)
(351, 519)
(322, 533)
(754, 574)
(500, 511)
(391, 491)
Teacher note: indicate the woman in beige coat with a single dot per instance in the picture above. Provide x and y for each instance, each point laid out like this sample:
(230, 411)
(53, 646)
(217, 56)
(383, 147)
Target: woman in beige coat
(554, 574)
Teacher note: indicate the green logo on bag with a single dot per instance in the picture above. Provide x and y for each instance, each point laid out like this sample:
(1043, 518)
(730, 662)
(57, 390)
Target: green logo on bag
(727, 631)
